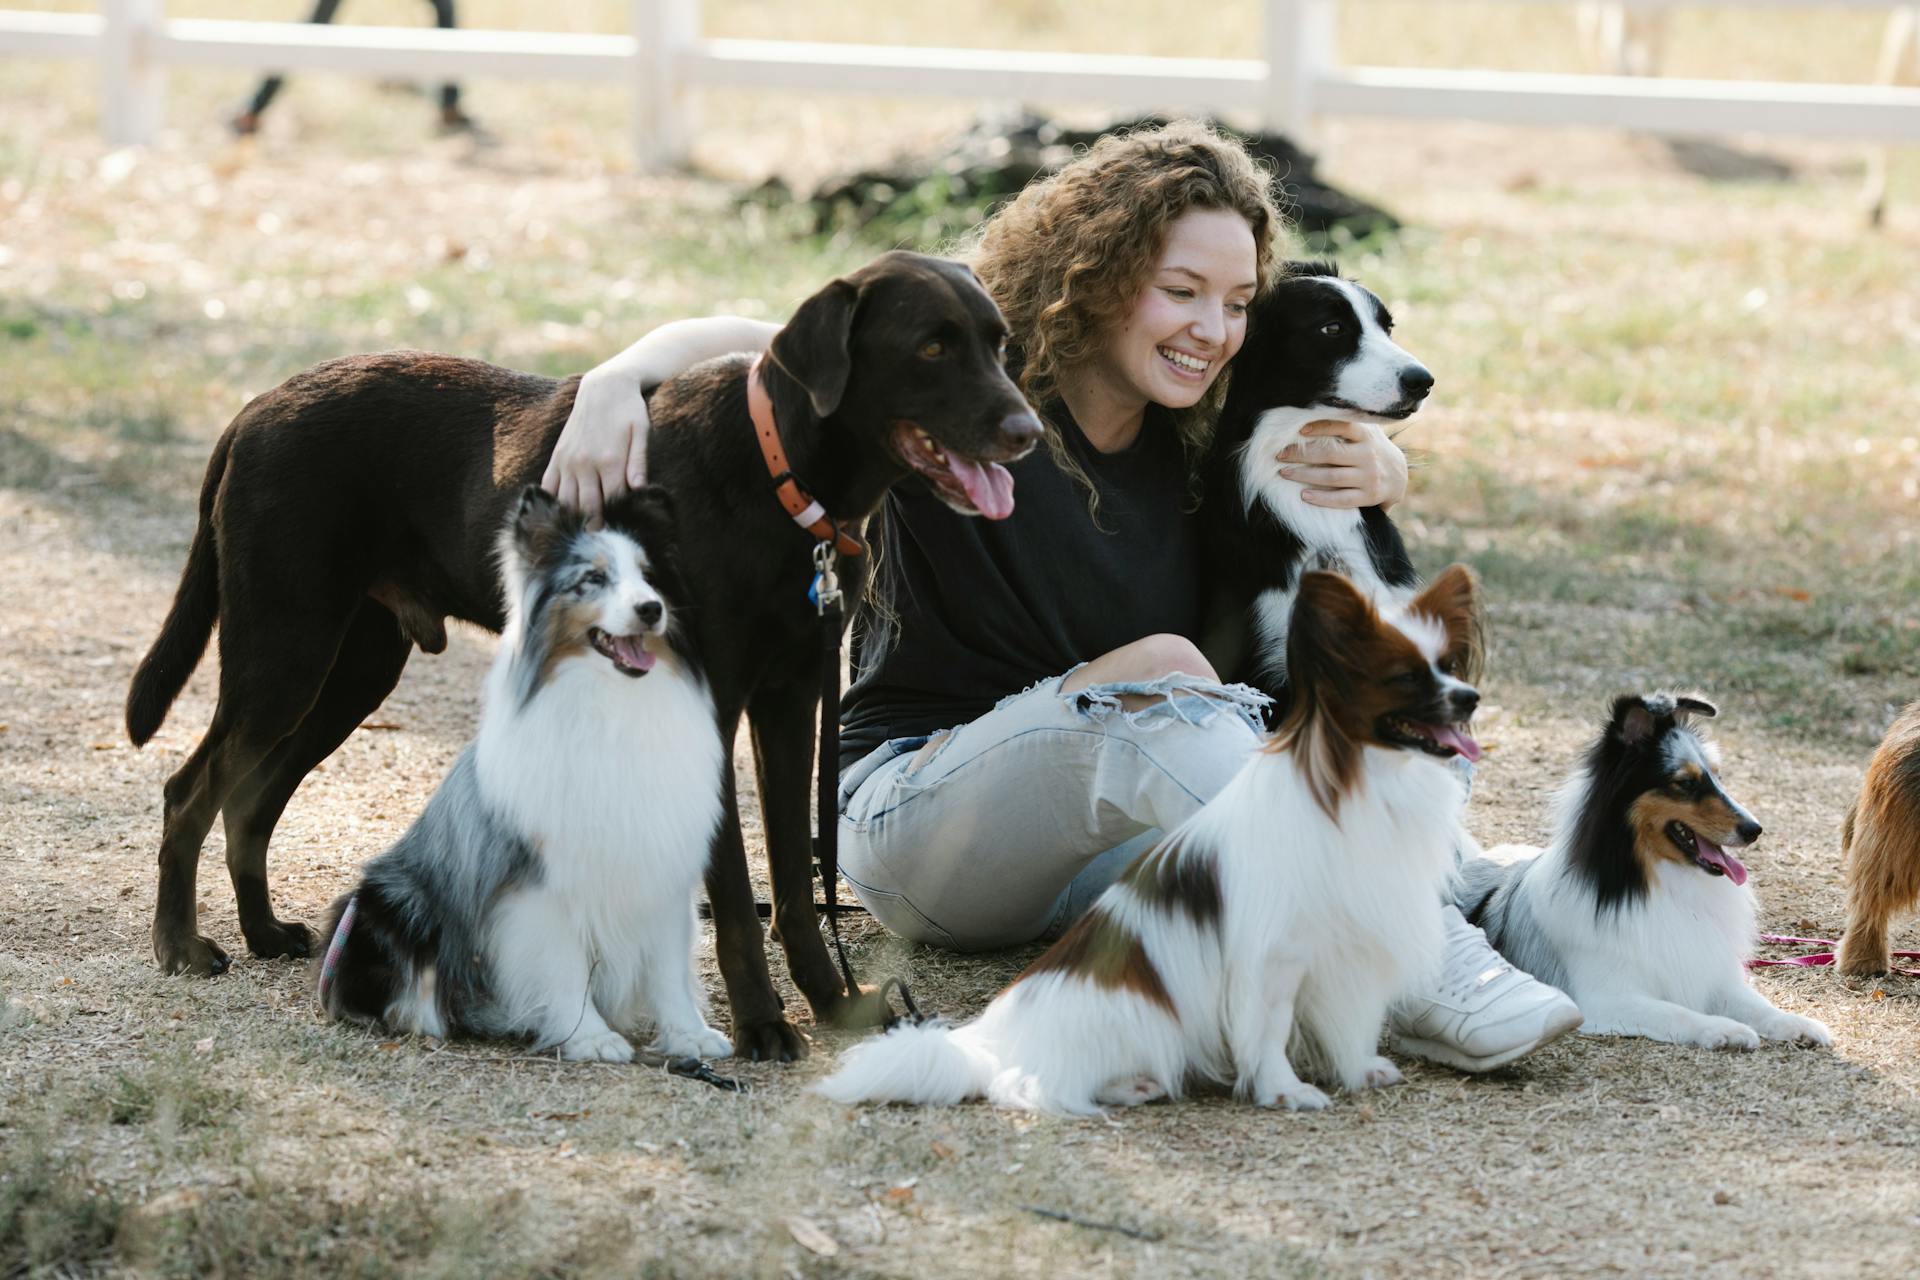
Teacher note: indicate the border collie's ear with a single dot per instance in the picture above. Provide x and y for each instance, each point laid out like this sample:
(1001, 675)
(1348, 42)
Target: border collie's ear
(812, 347)
(1296, 268)
(1329, 613)
(1453, 597)
(1633, 721)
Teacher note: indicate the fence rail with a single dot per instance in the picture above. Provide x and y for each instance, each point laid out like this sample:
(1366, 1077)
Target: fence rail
(665, 59)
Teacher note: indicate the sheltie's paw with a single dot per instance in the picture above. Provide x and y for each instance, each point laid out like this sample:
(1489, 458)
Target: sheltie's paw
(1374, 1073)
(1298, 1096)
(1722, 1033)
(1792, 1027)
(701, 1042)
(1130, 1093)
(597, 1046)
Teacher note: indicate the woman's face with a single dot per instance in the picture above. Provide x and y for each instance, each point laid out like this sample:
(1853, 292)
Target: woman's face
(1191, 317)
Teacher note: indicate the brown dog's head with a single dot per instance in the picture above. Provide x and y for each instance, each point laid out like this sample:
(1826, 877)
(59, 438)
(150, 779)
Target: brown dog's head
(1361, 678)
(904, 358)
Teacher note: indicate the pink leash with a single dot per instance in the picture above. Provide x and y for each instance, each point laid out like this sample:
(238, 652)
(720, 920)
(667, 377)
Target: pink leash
(1819, 958)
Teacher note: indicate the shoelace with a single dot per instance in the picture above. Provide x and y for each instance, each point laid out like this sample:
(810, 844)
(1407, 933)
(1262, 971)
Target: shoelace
(1472, 962)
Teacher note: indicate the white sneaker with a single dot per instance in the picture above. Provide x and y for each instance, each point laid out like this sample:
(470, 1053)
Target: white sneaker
(1483, 1013)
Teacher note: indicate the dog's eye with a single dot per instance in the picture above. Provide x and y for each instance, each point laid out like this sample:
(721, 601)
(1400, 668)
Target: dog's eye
(1447, 665)
(1405, 679)
(1333, 329)
(593, 578)
(932, 350)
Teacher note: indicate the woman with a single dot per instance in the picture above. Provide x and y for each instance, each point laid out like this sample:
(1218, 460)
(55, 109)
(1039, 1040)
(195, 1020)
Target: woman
(1031, 709)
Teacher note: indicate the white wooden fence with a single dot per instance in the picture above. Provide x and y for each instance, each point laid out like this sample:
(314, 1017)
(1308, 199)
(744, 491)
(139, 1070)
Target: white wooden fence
(665, 58)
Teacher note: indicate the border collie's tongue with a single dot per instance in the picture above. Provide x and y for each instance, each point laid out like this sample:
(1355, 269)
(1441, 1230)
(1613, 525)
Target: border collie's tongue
(1448, 736)
(1714, 856)
(989, 486)
(629, 652)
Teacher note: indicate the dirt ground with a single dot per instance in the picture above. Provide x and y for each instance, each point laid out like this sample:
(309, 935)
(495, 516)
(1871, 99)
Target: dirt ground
(164, 1126)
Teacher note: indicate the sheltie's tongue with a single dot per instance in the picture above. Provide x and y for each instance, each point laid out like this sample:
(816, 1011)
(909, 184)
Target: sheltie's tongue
(989, 486)
(1713, 855)
(1449, 736)
(629, 652)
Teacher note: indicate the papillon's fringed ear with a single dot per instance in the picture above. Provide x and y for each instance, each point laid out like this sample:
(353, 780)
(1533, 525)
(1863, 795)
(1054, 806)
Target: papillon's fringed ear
(1453, 597)
(1328, 613)
(1633, 721)
(813, 348)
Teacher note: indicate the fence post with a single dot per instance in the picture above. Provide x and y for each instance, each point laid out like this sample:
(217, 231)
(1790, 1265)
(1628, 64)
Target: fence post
(133, 86)
(663, 113)
(1299, 46)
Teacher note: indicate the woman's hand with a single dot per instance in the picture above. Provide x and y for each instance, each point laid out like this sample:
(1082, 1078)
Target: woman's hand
(1346, 464)
(602, 451)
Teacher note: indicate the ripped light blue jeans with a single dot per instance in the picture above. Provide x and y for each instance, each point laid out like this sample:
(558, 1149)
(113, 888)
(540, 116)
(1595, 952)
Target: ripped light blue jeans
(1011, 825)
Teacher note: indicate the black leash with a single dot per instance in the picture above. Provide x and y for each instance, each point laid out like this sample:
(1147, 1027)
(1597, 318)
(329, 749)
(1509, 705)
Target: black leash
(827, 599)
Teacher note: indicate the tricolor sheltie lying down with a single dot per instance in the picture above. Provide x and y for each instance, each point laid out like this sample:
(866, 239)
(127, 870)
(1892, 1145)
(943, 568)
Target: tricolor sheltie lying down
(547, 890)
(1638, 909)
(1281, 920)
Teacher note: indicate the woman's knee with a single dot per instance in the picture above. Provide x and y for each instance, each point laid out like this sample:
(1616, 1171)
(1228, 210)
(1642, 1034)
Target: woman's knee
(1148, 658)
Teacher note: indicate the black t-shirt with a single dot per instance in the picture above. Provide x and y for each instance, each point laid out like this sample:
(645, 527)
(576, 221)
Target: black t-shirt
(987, 607)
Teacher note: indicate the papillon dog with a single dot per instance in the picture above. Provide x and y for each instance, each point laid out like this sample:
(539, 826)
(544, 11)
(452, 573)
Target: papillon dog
(1639, 908)
(1273, 928)
(547, 891)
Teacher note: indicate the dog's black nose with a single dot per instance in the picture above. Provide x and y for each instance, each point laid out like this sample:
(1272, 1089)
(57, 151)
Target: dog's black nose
(1749, 831)
(1020, 430)
(1415, 382)
(649, 612)
(1464, 700)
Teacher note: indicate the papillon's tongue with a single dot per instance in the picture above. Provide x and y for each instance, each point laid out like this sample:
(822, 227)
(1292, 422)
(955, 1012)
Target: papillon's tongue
(631, 653)
(1448, 736)
(1714, 856)
(989, 486)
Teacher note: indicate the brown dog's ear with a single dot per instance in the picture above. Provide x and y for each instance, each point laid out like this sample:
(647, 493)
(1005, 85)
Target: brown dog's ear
(1453, 597)
(812, 348)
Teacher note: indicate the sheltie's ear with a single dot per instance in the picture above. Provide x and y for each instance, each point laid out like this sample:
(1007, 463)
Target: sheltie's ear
(1633, 722)
(1687, 705)
(1453, 597)
(542, 528)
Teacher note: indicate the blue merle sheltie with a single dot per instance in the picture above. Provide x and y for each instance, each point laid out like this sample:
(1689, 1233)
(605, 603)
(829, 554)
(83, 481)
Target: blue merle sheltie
(1318, 347)
(546, 892)
(1639, 909)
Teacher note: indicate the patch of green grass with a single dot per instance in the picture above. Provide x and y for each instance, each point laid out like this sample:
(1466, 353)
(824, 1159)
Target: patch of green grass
(56, 1218)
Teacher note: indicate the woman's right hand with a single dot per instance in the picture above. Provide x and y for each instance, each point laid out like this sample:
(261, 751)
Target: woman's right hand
(602, 451)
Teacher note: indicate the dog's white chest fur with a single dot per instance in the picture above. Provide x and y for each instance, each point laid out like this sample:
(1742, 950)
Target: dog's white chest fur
(1335, 537)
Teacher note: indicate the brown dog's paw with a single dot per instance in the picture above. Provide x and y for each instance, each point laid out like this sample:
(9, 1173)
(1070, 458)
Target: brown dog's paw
(769, 1040)
(858, 1012)
(282, 938)
(192, 955)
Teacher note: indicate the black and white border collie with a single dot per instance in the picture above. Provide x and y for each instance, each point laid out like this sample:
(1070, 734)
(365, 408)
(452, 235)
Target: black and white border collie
(547, 892)
(1267, 935)
(1317, 347)
(1639, 909)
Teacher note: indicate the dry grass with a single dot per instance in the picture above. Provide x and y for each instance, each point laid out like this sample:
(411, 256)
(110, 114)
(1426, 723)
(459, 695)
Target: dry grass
(1675, 430)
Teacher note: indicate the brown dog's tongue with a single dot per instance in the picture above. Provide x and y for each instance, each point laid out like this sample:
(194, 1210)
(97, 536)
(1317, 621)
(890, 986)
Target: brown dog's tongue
(989, 486)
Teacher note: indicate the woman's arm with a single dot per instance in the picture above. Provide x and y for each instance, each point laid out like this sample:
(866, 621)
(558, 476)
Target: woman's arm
(602, 451)
(1346, 464)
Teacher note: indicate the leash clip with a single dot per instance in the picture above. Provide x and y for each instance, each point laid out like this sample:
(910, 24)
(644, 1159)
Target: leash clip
(825, 591)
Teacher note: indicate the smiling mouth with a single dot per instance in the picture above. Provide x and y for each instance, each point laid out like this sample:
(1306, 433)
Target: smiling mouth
(627, 653)
(1705, 854)
(971, 487)
(1397, 412)
(1442, 740)
(1184, 364)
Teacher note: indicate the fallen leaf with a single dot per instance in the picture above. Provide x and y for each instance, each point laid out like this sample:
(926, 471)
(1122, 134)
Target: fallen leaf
(942, 1150)
(808, 1235)
(389, 1046)
(203, 1046)
(899, 1195)
(173, 1202)
(1794, 594)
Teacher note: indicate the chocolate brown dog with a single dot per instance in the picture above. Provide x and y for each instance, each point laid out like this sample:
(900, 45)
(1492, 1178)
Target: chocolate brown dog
(349, 512)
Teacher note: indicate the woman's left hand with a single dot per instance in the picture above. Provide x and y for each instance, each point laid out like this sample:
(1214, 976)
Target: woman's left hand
(1346, 464)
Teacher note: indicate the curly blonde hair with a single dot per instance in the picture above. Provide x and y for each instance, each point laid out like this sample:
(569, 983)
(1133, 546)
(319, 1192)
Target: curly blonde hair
(1068, 257)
